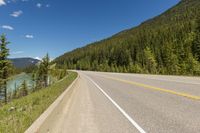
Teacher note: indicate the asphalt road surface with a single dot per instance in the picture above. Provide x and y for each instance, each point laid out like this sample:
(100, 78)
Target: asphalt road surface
(129, 103)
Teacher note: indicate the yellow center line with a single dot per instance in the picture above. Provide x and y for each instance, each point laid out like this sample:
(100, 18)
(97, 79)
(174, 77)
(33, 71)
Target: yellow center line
(157, 88)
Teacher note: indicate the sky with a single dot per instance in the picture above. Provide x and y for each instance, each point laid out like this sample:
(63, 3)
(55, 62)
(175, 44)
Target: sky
(37, 27)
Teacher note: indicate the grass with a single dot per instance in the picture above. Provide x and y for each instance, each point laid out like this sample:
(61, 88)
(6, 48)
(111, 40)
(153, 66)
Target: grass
(18, 115)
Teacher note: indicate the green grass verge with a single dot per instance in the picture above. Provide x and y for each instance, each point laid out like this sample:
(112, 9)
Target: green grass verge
(28, 109)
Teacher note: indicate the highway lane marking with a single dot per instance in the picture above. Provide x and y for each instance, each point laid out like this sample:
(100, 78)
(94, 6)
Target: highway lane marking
(157, 88)
(118, 107)
(146, 76)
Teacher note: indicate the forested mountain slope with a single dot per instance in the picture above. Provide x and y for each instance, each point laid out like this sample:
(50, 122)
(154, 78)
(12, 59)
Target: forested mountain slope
(23, 62)
(166, 44)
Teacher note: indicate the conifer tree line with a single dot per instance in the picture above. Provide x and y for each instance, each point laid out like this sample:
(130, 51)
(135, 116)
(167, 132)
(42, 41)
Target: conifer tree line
(4, 66)
(167, 44)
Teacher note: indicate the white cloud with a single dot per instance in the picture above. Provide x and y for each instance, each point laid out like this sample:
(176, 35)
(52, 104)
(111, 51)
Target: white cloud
(39, 5)
(16, 13)
(2, 2)
(29, 36)
(7, 27)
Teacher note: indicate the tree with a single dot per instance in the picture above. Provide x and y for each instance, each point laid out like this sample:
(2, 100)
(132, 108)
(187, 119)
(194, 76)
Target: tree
(43, 73)
(45, 63)
(196, 42)
(24, 89)
(33, 77)
(193, 66)
(62, 73)
(150, 60)
(14, 96)
(136, 69)
(170, 59)
(4, 65)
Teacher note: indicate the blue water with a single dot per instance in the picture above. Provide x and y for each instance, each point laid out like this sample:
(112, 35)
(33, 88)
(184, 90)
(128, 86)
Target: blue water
(16, 81)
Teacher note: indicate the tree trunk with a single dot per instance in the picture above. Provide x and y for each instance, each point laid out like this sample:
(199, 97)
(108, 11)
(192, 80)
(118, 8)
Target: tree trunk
(5, 92)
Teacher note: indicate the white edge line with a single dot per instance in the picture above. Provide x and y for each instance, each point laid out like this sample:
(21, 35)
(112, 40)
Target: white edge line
(118, 107)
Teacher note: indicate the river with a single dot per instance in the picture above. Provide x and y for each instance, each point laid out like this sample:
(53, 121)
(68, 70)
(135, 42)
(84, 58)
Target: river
(16, 81)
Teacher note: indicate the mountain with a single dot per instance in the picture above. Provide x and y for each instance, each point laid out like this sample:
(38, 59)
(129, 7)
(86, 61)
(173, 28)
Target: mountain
(24, 62)
(166, 44)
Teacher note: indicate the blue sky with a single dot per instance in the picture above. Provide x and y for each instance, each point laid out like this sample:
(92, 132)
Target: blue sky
(35, 27)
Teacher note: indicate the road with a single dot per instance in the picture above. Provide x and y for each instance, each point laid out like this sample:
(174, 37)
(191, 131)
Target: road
(129, 103)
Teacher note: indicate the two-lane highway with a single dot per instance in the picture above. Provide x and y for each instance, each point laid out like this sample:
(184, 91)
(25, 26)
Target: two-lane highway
(128, 103)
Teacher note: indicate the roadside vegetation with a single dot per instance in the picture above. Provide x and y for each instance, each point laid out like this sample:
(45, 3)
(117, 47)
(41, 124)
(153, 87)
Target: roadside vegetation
(168, 44)
(23, 105)
(41, 74)
(18, 115)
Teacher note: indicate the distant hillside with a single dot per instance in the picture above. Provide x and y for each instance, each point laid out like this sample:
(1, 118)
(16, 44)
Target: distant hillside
(24, 62)
(166, 44)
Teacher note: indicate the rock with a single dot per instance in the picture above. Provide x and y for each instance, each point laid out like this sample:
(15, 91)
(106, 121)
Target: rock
(11, 109)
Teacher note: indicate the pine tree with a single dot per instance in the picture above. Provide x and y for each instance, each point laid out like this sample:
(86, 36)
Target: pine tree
(14, 96)
(45, 63)
(196, 42)
(43, 73)
(170, 59)
(4, 65)
(62, 73)
(34, 80)
(150, 61)
(24, 89)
